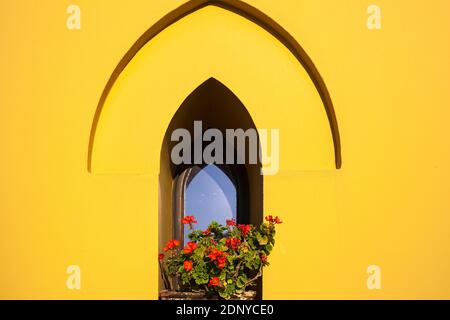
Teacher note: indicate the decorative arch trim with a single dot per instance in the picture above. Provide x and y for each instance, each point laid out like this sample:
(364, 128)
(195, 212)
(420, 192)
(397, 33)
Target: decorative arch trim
(249, 12)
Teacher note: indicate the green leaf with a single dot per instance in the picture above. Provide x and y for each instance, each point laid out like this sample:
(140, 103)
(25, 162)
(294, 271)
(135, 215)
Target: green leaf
(241, 280)
(201, 278)
(224, 294)
(263, 240)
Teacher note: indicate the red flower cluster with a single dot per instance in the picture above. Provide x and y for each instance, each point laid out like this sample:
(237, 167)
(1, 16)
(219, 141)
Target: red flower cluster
(231, 223)
(233, 243)
(207, 232)
(171, 244)
(214, 282)
(161, 256)
(214, 253)
(275, 220)
(263, 258)
(189, 220)
(190, 247)
(245, 229)
(219, 257)
(187, 265)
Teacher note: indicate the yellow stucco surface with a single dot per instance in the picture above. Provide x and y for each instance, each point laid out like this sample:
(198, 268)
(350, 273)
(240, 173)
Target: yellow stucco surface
(387, 205)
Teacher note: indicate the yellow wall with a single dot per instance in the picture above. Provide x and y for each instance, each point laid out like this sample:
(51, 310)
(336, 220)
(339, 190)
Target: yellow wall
(386, 206)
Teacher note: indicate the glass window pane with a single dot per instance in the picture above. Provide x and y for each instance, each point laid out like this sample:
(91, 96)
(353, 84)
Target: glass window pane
(209, 196)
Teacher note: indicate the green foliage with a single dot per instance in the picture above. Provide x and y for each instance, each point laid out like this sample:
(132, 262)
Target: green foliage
(224, 260)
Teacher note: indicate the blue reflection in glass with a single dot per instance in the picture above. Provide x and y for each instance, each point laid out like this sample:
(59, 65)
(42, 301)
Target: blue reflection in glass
(209, 196)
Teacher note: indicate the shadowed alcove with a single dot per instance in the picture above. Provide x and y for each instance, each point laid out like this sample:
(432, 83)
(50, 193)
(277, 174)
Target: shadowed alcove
(216, 107)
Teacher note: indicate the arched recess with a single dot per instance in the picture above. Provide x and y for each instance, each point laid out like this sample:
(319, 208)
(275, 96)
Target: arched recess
(103, 142)
(219, 108)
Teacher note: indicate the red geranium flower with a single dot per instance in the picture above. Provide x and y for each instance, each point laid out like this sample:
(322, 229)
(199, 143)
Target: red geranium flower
(171, 244)
(214, 282)
(187, 265)
(233, 243)
(275, 220)
(231, 222)
(263, 258)
(219, 257)
(221, 262)
(161, 256)
(189, 220)
(245, 229)
(214, 254)
(190, 247)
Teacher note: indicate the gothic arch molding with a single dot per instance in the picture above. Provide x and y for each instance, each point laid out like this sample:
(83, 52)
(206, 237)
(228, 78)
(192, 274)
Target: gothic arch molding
(249, 12)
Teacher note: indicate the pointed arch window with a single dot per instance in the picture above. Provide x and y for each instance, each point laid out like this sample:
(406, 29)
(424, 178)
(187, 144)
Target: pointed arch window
(209, 191)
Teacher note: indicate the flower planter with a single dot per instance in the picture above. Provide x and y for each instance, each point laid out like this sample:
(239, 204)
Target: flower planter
(221, 262)
(202, 295)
